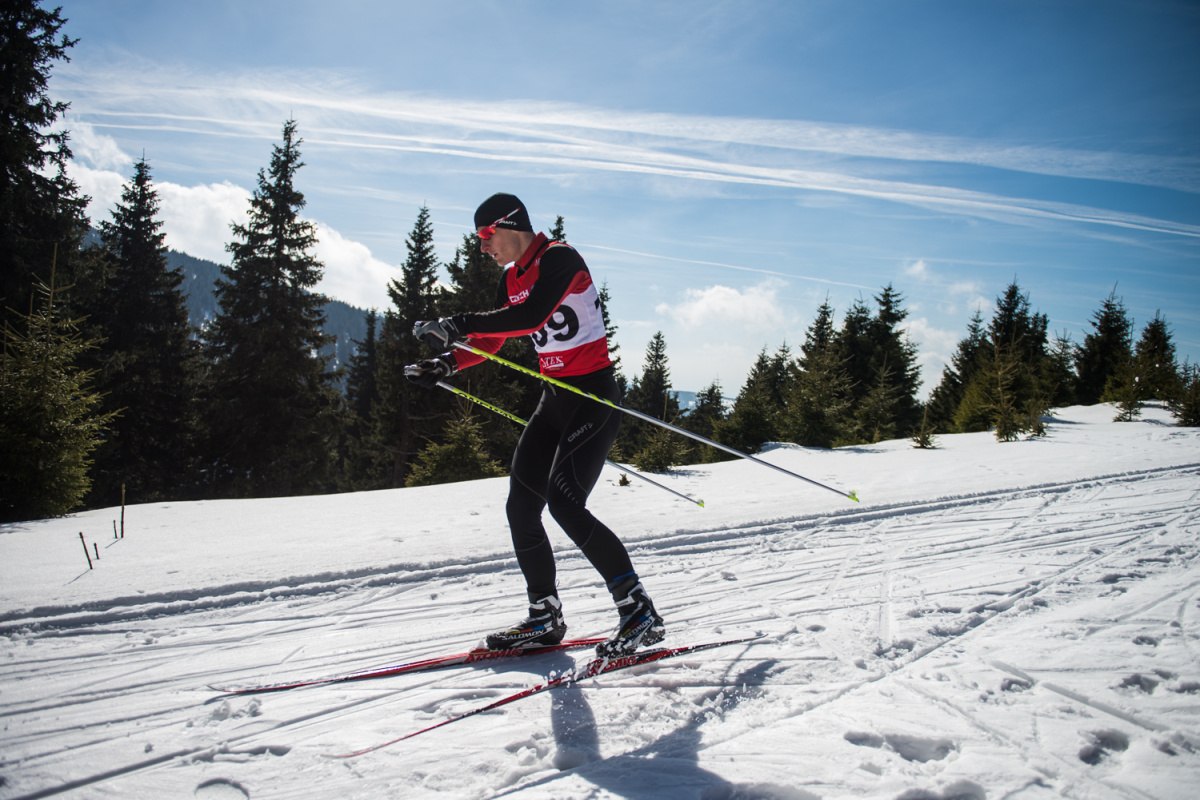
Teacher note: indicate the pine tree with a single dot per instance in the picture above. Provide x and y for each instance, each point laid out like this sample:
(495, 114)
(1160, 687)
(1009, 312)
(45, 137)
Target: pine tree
(924, 438)
(147, 364)
(818, 397)
(406, 416)
(461, 457)
(1012, 380)
(1019, 336)
(559, 232)
(610, 332)
(894, 362)
(703, 419)
(662, 450)
(990, 400)
(856, 349)
(755, 417)
(273, 409)
(874, 348)
(1186, 405)
(41, 211)
(50, 417)
(1127, 392)
(361, 383)
(1104, 350)
(1058, 377)
(1000, 376)
(957, 375)
(875, 419)
(651, 394)
(1154, 357)
(362, 393)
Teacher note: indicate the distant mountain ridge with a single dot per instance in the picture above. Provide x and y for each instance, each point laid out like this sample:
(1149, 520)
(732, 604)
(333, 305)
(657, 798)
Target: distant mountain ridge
(346, 323)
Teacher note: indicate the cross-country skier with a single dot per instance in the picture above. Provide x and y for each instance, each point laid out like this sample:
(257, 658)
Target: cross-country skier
(547, 293)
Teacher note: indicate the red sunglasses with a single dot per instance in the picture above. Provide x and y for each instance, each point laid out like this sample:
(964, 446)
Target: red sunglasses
(488, 231)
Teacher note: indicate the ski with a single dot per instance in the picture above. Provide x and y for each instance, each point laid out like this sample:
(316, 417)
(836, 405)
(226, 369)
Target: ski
(591, 669)
(478, 655)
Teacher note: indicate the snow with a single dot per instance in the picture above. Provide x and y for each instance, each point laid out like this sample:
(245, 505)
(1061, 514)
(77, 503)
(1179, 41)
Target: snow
(993, 620)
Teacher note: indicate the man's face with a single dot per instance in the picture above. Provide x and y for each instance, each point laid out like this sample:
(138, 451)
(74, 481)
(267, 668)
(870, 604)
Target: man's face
(504, 246)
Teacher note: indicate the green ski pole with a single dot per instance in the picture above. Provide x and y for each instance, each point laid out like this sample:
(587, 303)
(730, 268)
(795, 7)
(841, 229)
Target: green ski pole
(647, 418)
(481, 402)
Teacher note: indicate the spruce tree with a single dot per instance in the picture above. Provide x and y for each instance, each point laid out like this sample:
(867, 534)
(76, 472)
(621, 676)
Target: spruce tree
(1104, 350)
(1008, 391)
(361, 388)
(1058, 377)
(989, 401)
(856, 348)
(362, 393)
(610, 332)
(894, 363)
(50, 416)
(924, 438)
(1155, 361)
(41, 211)
(873, 348)
(1127, 392)
(651, 394)
(755, 417)
(1186, 405)
(272, 407)
(662, 450)
(147, 363)
(460, 457)
(875, 419)
(818, 397)
(957, 375)
(703, 419)
(1019, 335)
(407, 416)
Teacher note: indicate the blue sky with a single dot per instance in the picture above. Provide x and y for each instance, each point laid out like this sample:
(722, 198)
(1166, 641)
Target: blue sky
(723, 166)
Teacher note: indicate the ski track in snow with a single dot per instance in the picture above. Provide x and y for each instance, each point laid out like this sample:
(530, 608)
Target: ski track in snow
(908, 607)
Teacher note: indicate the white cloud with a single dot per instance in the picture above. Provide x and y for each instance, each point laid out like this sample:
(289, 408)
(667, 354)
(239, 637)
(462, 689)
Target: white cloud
(756, 308)
(568, 139)
(197, 219)
(352, 274)
(935, 346)
(97, 150)
(919, 270)
(103, 187)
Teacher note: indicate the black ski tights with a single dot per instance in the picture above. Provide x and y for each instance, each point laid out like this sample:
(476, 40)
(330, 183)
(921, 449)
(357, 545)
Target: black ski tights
(556, 464)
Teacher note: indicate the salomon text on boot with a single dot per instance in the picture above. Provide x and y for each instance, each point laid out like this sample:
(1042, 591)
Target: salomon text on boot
(544, 626)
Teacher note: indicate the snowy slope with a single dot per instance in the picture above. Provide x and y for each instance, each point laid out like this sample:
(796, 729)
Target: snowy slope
(1018, 620)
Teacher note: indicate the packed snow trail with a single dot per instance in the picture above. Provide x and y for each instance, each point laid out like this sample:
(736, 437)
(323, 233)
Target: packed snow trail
(1041, 640)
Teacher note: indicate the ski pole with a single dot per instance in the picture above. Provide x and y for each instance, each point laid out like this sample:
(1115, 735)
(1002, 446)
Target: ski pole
(480, 401)
(647, 418)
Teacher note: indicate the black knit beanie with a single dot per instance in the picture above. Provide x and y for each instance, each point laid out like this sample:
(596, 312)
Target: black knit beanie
(505, 211)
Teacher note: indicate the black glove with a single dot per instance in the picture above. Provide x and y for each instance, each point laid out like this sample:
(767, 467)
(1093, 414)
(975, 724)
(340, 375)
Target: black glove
(438, 333)
(427, 373)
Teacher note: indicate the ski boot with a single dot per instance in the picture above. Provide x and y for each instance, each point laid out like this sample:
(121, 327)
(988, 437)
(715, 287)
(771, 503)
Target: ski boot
(544, 626)
(640, 623)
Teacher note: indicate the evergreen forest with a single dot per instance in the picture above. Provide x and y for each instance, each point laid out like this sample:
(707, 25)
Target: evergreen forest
(118, 382)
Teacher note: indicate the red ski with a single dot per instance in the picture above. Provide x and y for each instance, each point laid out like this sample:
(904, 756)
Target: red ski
(475, 656)
(591, 669)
